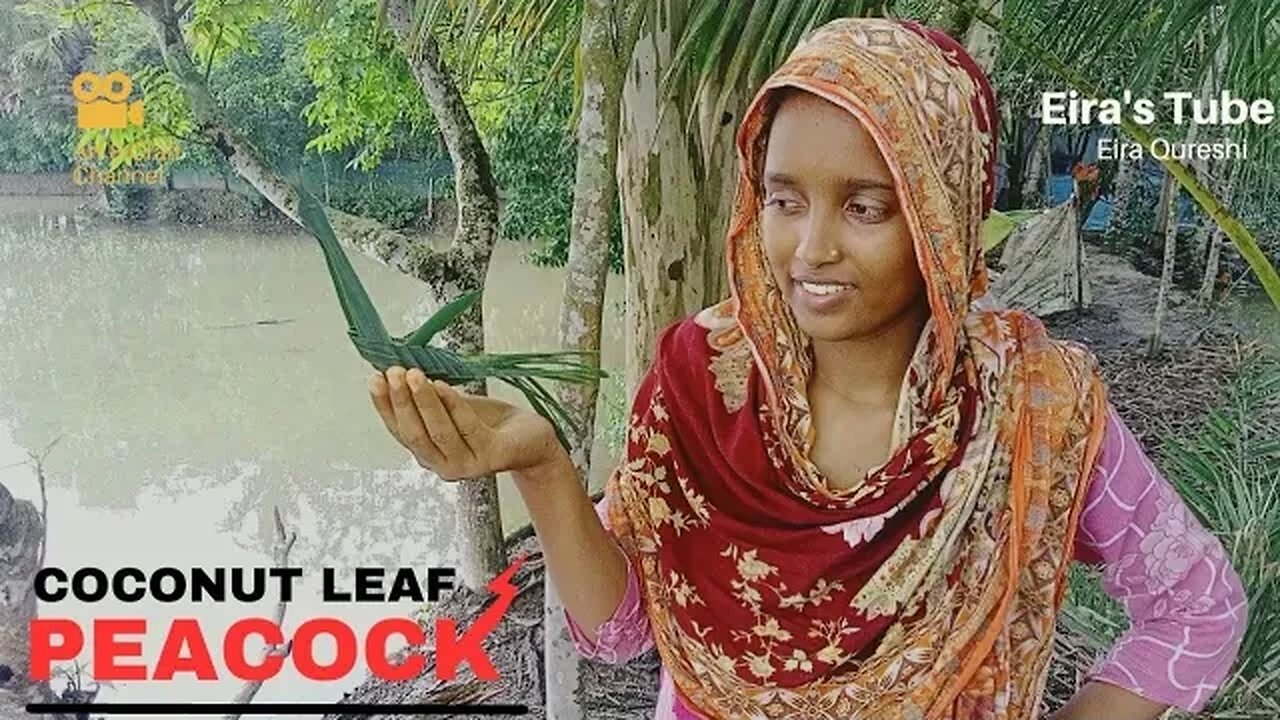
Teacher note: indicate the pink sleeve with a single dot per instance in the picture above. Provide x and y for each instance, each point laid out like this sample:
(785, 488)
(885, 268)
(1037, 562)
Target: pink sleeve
(627, 633)
(1185, 603)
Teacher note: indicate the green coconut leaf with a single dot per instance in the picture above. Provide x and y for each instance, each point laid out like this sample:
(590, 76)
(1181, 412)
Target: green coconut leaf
(442, 319)
(527, 372)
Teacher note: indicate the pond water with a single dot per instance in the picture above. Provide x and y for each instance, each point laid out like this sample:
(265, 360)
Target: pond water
(181, 420)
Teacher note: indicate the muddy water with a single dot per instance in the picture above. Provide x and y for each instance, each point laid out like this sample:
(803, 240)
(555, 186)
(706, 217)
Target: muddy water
(196, 378)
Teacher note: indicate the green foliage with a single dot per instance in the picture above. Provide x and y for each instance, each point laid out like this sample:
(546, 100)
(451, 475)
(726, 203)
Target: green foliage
(534, 163)
(42, 53)
(538, 38)
(394, 193)
(396, 206)
(221, 27)
(37, 137)
(263, 88)
(367, 99)
(491, 91)
(533, 159)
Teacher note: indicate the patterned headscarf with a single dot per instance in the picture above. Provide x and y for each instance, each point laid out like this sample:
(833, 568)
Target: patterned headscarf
(930, 588)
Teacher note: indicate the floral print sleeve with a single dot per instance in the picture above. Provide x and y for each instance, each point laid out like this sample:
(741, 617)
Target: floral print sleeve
(1184, 600)
(627, 633)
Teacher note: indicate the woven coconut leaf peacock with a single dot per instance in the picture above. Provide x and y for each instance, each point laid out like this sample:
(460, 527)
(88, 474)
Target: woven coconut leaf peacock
(527, 372)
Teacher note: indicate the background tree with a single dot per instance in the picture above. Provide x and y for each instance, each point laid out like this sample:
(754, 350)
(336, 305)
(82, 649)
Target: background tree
(447, 273)
(606, 33)
(36, 132)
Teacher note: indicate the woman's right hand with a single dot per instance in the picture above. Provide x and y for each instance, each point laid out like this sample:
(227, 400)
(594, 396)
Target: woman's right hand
(459, 435)
(462, 436)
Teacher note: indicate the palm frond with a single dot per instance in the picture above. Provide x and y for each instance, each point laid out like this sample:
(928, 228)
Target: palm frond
(524, 371)
(731, 47)
(442, 318)
(470, 26)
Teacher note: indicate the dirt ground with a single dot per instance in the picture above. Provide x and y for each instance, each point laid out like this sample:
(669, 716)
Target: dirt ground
(1174, 389)
(1155, 395)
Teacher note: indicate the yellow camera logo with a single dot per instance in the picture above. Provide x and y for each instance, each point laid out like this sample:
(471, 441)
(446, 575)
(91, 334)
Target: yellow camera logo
(101, 101)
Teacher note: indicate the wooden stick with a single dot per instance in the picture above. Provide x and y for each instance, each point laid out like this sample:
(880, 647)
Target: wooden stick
(280, 552)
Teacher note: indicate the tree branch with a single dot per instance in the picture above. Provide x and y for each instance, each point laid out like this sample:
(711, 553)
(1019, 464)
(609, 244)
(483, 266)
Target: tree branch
(37, 459)
(213, 50)
(368, 236)
(280, 554)
(474, 187)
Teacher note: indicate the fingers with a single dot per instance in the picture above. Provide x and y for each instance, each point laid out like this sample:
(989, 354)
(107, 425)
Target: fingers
(380, 393)
(409, 426)
(473, 431)
(439, 425)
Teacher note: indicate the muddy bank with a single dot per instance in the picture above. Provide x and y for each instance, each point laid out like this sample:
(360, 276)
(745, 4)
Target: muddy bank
(609, 692)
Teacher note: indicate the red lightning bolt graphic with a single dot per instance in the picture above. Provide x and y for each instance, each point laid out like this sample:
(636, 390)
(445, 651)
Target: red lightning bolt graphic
(451, 650)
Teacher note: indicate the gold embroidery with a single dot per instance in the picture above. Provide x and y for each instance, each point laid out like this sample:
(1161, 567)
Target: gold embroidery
(1000, 542)
(731, 360)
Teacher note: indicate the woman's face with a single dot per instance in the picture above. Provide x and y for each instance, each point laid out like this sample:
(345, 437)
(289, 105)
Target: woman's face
(835, 236)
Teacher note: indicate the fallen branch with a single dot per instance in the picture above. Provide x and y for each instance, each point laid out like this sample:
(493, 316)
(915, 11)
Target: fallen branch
(251, 323)
(37, 459)
(280, 554)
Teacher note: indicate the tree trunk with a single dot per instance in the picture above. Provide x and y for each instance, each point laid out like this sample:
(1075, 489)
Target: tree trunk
(1160, 221)
(603, 48)
(21, 533)
(1127, 177)
(1170, 222)
(479, 522)
(1210, 278)
(1212, 238)
(982, 42)
(1033, 185)
(1202, 166)
(676, 189)
(606, 38)
(1200, 243)
(1014, 152)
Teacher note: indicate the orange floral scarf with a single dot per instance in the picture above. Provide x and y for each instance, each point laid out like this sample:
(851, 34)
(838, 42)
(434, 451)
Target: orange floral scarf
(930, 589)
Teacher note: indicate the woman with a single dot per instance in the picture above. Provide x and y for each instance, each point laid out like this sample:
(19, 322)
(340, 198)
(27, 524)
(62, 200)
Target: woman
(853, 489)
